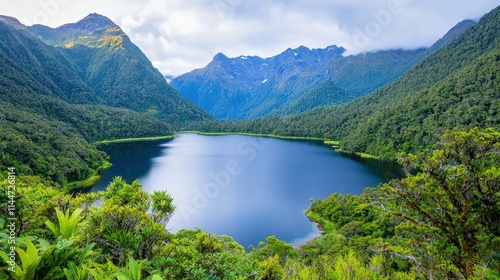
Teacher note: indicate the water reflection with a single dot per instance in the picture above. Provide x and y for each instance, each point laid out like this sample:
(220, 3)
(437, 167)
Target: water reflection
(245, 187)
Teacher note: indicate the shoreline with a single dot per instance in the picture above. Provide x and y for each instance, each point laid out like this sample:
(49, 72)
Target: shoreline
(323, 227)
(258, 135)
(139, 139)
(94, 179)
(332, 143)
(90, 181)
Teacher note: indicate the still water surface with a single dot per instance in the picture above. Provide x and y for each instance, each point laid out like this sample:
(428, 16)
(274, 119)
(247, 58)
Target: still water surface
(243, 186)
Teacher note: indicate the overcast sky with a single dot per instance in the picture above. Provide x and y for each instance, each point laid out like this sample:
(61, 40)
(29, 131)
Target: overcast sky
(181, 35)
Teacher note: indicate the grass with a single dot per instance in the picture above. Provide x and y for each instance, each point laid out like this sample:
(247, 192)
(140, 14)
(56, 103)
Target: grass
(359, 154)
(125, 140)
(334, 144)
(258, 134)
(92, 180)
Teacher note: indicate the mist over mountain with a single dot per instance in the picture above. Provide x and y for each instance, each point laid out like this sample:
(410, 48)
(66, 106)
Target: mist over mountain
(453, 88)
(296, 80)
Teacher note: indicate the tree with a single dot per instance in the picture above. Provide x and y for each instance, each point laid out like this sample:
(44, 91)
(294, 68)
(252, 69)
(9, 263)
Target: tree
(450, 208)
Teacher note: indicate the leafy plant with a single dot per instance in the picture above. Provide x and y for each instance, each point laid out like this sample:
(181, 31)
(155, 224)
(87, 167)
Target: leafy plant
(67, 227)
(30, 258)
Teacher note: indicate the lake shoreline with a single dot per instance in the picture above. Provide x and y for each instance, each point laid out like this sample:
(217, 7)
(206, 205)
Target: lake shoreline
(228, 161)
(95, 178)
(139, 139)
(332, 143)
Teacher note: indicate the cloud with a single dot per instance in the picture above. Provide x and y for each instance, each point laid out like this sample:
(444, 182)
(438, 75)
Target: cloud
(179, 35)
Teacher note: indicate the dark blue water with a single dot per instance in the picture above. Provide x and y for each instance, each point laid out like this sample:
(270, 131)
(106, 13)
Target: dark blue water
(242, 186)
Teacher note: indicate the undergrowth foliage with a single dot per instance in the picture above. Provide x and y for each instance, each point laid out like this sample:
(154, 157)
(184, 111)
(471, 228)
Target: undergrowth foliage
(439, 222)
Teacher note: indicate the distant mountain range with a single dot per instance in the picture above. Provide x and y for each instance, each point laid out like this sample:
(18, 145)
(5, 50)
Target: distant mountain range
(297, 80)
(454, 88)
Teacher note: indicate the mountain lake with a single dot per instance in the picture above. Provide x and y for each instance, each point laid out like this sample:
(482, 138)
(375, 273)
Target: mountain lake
(246, 187)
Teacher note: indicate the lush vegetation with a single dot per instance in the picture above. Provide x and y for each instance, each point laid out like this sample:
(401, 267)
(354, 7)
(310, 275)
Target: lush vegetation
(117, 70)
(50, 116)
(50, 149)
(297, 80)
(322, 94)
(437, 223)
(455, 88)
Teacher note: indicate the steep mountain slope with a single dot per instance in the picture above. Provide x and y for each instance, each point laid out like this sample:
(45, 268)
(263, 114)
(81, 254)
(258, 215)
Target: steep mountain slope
(455, 88)
(250, 87)
(451, 35)
(237, 88)
(322, 94)
(33, 66)
(117, 70)
(355, 75)
(42, 131)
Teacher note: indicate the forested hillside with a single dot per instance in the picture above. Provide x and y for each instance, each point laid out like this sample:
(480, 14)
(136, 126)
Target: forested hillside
(43, 131)
(455, 88)
(297, 80)
(117, 70)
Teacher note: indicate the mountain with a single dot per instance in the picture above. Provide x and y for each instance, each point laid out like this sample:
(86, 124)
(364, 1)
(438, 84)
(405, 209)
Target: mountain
(452, 34)
(49, 116)
(355, 76)
(296, 80)
(454, 88)
(238, 88)
(322, 94)
(117, 70)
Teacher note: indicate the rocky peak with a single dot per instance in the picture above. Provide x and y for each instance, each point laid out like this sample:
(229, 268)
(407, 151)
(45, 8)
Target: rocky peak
(90, 24)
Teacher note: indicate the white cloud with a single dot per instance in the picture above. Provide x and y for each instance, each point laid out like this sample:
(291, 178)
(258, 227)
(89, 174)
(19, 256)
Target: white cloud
(179, 35)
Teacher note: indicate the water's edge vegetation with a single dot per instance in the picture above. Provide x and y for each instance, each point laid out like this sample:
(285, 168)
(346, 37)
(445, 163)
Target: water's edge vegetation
(138, 139)
(388, 232)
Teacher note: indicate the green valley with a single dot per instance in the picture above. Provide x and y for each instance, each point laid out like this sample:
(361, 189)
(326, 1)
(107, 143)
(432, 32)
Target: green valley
(65, 92)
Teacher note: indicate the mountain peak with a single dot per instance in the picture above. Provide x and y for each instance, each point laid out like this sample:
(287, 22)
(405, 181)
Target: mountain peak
(220, 56)
(98, 19)
(90, 24)
(452, 34)
(335, 48)
(302, 48)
